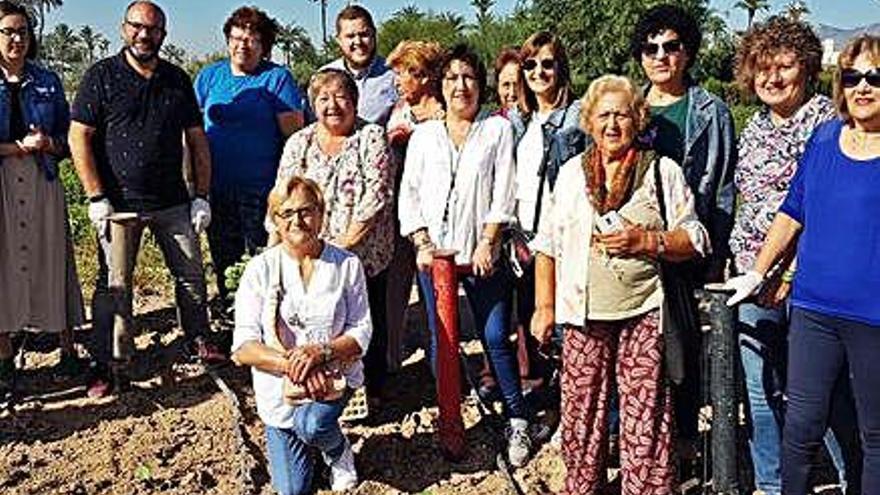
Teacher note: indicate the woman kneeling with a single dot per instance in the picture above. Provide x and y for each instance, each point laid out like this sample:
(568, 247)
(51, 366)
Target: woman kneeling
(302, 322)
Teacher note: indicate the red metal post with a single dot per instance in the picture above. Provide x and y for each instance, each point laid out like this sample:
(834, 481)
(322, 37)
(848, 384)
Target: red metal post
(451, 428)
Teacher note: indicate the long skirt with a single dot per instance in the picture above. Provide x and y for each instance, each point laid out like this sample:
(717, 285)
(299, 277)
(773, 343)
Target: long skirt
(634, 347)
(39, 288)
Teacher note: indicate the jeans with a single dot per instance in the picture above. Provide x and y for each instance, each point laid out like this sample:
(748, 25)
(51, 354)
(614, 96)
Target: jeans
(490, 300)
(820, 348)
(237, 227)
(762, 338)
(180, 247)
(315, 424)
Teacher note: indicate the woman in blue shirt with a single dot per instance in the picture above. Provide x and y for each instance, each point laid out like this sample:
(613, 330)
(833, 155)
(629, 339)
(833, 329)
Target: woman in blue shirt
(832, 215)
(38, 282)
(251, 106)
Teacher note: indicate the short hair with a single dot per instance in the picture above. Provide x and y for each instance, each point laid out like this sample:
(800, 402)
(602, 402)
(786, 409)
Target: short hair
(615, 84)
(13, 8)
(419, 58)
(158, 10)
(863, 44)
(353, 12)
(563, 75)
(254, 19)
(663, 17)
(326, 76)
(284, 188)
(464, 53)
(776, 35)
(510, 55)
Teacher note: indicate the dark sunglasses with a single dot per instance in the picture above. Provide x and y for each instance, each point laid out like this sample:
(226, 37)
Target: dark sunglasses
(652, 49)
(851, 78)
(546, 64)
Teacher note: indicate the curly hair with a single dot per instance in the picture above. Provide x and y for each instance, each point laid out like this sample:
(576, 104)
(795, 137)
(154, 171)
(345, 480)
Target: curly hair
(257, 21)
(867, 44)
(776, 35)
(563, 75)
(12, 8)
(463, 53)
(614, 84)
(659, 19)
(419, 58)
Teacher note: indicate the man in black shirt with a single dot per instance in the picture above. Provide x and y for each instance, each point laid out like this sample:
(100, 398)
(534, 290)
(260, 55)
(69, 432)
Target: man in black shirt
(125, 137)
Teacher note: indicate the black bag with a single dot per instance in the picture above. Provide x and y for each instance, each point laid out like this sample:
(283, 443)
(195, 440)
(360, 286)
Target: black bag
(517, 257)
(681, 317)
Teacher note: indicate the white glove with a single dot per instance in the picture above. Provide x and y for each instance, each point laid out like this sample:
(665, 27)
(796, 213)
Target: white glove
(200, 214)
(744, 285)
(99, 215)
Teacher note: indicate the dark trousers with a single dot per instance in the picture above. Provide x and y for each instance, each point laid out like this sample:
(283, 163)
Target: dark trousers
(376, 359)
(236, 227)
(819, 348)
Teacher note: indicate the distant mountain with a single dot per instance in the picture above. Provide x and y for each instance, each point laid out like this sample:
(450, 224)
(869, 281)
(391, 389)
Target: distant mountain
(840, 36)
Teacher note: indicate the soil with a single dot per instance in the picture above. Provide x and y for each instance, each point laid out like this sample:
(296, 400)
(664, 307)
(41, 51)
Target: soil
(174, 432)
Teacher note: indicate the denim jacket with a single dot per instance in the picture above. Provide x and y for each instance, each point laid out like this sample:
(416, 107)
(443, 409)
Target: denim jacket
(43, 105)
(563, 137)
(708, 165)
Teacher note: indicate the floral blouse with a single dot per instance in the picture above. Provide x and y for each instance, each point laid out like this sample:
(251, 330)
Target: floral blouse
(357, 182)
(768, 158)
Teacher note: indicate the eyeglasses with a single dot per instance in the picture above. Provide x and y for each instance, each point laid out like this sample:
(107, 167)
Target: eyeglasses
(851, 78)
(245, 40)
(669, 47)
(302, 212)
(151, 30)
(530, 64)
(10, 32)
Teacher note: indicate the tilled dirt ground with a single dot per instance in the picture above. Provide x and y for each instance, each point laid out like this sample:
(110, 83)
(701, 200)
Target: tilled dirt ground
(174, 432)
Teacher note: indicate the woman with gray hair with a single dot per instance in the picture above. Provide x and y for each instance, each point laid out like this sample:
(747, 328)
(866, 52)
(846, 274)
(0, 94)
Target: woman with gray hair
(633, 210)
(302, 323)
(349, 160)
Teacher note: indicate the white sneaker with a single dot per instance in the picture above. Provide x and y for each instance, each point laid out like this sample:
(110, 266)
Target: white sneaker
(519, 445)
(343, 475)
(556, 439)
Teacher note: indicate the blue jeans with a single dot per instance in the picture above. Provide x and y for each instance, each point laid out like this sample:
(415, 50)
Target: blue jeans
(490, 300)
(820, 349)
(315, 425)
(762, 338)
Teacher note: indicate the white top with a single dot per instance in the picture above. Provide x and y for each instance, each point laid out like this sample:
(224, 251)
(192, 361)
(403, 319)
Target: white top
(529, 154)
(483, 176)
(566, 230)
(334, 303)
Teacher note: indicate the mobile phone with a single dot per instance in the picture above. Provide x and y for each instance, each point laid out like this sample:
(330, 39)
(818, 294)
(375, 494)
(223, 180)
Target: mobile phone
(609, 222)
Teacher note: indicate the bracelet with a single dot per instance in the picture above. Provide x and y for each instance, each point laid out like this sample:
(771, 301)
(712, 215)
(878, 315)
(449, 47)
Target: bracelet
(788, 276)
(661, 244)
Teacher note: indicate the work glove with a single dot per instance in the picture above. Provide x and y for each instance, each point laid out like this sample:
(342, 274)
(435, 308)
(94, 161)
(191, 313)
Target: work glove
(200, 214)
(99, 215)
(745, 285)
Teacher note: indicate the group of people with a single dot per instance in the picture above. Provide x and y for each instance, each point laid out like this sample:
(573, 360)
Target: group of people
(623, 195)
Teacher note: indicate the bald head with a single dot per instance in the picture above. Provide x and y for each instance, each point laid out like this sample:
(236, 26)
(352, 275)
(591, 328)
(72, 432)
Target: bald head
(153, 8)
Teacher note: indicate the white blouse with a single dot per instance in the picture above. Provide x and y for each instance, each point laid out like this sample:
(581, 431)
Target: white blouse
(565, 233)
(475, 183)
(529, 155)
(334, 303)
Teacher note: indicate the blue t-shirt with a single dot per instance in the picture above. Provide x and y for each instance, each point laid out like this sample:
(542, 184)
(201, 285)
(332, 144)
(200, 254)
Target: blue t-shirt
(837, 200)
(241, 120)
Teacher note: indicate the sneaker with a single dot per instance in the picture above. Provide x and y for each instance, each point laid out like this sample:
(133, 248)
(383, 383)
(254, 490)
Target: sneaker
(519, 444)
(556, 439)
(199, 349)
(69, 366)
(99, 383)
(343, 475)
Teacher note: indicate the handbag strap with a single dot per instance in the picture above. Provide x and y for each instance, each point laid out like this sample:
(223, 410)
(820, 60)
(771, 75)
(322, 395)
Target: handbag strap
(537, 217)
(658, 186)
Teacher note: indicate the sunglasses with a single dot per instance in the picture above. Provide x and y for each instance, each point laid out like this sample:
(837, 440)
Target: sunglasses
(546, 64)
(653, 49)
(851, 78)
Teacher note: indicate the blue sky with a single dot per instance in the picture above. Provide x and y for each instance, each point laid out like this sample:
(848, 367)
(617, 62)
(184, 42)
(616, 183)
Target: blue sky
(196, 24)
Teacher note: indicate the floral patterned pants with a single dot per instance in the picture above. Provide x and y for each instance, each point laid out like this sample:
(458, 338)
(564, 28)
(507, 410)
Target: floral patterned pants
(635, 347)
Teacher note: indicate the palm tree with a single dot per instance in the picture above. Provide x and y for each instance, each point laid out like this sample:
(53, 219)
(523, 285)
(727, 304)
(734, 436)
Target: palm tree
(752, 7)
(39, 9)
(323, 20)
(484, 11)
(796, 10)
(294, 43)
(91, 41)
(173, 53)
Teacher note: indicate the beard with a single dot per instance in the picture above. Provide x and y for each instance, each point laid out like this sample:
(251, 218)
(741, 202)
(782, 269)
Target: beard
(144, 56)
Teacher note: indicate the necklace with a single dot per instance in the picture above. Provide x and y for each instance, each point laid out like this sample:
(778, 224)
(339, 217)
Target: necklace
(862, 140)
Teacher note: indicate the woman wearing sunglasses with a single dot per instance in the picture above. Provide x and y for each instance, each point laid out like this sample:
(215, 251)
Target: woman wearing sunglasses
(778, 61)
(546, 135)
(695, 129)
(831, 215)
